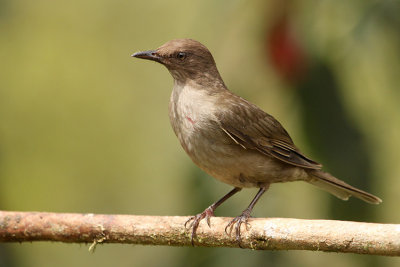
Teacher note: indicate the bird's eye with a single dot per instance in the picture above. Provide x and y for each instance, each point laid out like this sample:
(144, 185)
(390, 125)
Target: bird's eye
(181, 55)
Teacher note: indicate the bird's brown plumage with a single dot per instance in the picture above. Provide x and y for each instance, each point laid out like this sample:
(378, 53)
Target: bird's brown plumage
(231, 138)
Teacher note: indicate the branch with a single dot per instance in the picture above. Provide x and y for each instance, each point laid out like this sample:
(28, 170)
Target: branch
(263, 234)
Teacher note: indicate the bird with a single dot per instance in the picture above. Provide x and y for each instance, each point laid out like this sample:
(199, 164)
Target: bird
(230, 138)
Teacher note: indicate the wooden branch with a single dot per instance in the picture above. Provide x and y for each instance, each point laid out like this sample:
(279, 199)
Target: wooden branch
(263, 234)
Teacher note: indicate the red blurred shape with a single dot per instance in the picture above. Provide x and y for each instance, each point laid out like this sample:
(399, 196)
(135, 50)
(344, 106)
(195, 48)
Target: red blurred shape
(285, 51)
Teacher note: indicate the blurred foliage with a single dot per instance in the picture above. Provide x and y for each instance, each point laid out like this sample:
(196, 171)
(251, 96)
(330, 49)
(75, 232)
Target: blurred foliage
(84, 128)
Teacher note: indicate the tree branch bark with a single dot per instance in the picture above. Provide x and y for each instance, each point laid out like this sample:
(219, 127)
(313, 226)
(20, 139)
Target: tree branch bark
(263, 234)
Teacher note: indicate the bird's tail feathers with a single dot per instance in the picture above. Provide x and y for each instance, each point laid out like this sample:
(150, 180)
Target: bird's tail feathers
(339, 188)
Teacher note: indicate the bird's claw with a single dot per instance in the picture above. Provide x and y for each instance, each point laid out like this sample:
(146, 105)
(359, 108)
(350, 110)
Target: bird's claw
(194, 221)
(237, 223)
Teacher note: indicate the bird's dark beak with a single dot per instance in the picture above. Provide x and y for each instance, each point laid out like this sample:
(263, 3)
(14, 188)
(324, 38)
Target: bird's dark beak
(150, 55)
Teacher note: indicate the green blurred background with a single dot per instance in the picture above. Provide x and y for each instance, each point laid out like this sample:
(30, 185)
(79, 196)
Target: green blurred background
(84, 127)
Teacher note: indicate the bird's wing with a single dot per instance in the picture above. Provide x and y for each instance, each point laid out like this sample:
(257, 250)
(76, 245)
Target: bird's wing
(252, 128)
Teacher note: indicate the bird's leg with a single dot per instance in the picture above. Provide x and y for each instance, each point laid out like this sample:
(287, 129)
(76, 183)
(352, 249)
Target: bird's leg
(244, 217)
(207, 213)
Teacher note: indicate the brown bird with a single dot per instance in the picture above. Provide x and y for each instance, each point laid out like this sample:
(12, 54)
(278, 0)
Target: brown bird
(230, 138)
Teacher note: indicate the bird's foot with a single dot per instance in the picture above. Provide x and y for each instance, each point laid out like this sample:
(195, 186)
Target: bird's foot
(237, 222)
(194, 221)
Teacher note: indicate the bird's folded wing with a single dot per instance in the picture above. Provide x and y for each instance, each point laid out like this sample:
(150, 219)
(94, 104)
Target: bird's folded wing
(262, 132)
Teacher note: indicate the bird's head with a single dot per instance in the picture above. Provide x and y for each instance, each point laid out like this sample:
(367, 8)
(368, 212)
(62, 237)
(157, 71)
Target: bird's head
(186, 59)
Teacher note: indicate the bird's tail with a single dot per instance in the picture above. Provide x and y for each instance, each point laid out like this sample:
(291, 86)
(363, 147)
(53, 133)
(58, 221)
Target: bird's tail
(339, 188)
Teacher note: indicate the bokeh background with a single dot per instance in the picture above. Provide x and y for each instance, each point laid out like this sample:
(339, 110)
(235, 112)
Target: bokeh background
(84, 127)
